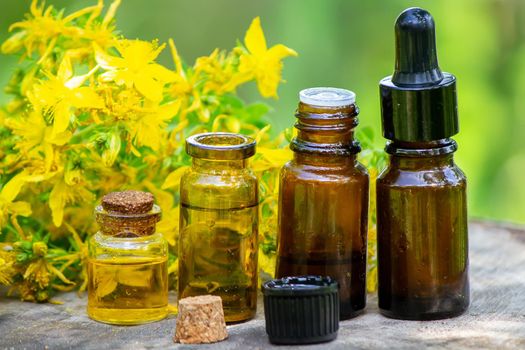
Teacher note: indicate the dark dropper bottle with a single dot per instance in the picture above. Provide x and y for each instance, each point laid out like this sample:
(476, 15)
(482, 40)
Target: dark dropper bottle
(421, 195)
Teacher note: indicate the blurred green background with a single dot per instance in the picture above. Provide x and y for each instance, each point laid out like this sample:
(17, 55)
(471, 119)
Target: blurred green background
(350, 44)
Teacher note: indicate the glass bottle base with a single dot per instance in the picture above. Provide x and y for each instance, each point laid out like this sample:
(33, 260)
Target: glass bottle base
(349, 315)
(127, 317)
(238, 316)
(424, 309)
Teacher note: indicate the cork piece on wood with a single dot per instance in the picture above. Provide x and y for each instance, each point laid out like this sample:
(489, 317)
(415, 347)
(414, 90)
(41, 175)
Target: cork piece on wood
(128, 202)
(200, 320)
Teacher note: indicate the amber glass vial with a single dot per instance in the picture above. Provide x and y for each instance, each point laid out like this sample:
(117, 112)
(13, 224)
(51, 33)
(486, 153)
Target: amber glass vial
(323, 200)
(421, 195)
(219, 223)
(128, 262)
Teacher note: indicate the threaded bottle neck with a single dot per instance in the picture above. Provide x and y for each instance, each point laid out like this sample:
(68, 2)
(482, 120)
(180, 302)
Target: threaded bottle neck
(322, 129)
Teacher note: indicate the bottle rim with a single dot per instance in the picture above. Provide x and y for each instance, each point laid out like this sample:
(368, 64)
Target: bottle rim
(327, 97)
(220, 146)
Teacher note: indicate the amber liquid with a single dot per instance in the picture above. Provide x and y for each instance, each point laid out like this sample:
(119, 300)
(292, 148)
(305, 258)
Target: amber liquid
(422, 250)
(218, 256)
(350, 272)
(128, 290)
(323, 229)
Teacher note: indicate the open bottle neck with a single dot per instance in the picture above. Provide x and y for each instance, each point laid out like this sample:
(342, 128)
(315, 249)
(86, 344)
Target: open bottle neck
(326, 130)
(212, 166)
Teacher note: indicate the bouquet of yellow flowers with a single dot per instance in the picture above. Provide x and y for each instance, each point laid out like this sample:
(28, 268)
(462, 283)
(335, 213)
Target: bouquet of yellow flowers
(93, 112)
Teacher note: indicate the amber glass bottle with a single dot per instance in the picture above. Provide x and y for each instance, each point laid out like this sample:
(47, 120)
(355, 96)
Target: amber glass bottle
(323, 200)
(128, 262)
(421, 196)
(219, 223)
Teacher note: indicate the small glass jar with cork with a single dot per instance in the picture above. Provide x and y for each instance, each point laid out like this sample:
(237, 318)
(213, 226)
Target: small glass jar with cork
(128, 261)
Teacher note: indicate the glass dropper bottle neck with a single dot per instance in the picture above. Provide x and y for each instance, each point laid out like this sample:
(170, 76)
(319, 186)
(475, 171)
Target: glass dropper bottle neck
(421, 155)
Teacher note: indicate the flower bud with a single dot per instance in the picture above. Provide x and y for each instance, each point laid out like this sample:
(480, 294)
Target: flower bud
(40, 248)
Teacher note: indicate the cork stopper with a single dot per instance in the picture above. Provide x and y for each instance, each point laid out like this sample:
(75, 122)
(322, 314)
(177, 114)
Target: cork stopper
(128, 202)
(200, 320)
(128, 214)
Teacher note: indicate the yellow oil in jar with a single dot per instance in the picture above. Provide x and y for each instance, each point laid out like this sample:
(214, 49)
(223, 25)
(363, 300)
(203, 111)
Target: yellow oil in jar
(128, 290)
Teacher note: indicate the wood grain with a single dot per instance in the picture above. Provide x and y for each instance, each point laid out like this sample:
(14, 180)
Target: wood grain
(496, 317)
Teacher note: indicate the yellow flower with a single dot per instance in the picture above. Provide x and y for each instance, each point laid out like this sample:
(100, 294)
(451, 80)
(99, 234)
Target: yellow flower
(184, 88)
(262, 63)
(148, 127)
(44, 26)
(101, 32)
(67, 189)
(37, 137)
(221, 70)
(61, 93)
(41, 272)
(36, 31)
(7, 260)
(136, 67)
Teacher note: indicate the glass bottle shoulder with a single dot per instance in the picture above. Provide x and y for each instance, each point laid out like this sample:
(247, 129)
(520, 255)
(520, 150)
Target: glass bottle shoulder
(346, 172)
(239, 178)
(206, 187)
(105, 246)
(422, 175)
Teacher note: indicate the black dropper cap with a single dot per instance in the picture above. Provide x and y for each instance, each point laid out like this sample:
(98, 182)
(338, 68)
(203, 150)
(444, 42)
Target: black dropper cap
(418, 102)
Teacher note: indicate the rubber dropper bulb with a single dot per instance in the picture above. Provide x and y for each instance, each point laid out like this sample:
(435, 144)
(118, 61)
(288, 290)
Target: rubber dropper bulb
(416, 54)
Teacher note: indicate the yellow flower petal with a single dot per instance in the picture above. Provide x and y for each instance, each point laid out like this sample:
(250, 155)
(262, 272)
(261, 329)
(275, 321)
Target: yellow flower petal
(279, 51)
(176, 58)
(85, 97)
(160, 73)
(57, 202)
(149, 88)
(13, 187)
(138, 53)
(20, 208)
(277, 157)
(75, 82)
(107, 61)
(62, 115)
(173, 179)
(65, 69)
(254, 39)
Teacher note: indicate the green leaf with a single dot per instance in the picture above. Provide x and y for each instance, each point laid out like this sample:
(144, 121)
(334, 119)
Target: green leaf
(257, 110)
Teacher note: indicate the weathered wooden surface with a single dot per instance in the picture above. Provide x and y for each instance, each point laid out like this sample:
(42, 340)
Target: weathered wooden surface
(496, 318)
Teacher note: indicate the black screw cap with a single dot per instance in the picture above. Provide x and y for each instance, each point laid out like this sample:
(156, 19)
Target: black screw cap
(301, 310)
